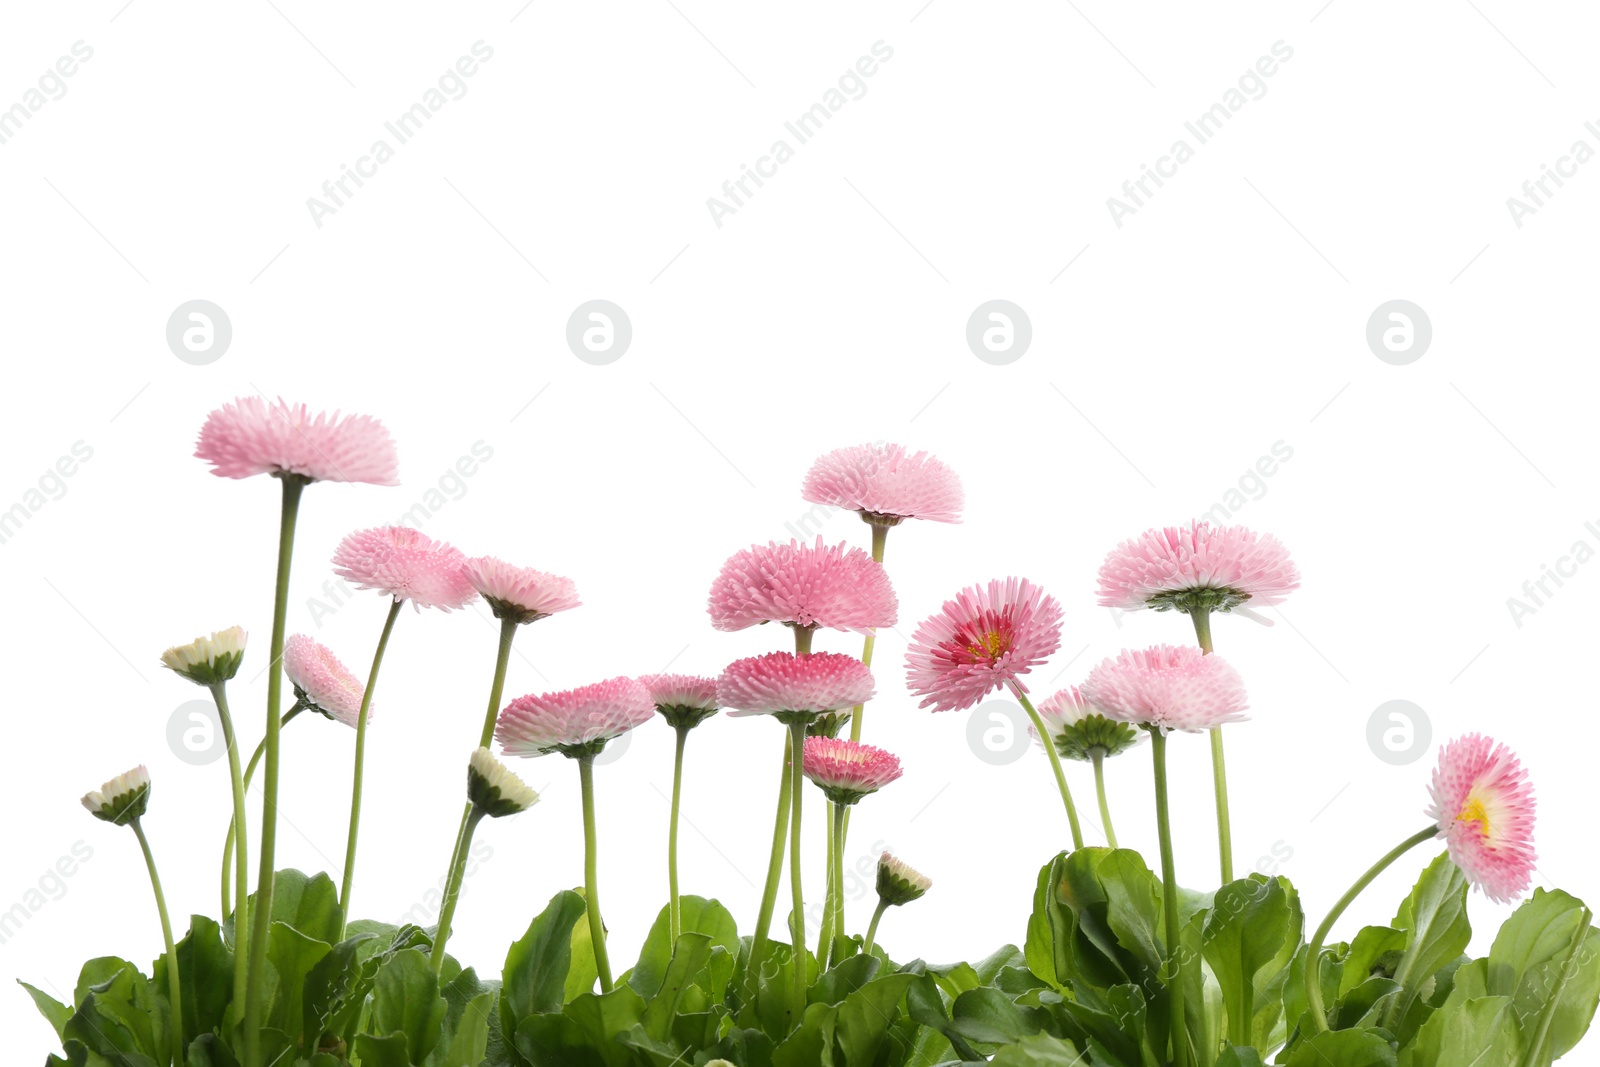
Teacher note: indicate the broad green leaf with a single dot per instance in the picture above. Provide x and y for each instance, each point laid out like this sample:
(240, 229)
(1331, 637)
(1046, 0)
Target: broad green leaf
(810, 1041)
(293, 954)
(861, 1022)
(336, 983)
(688, 960)
(988, 1015)
(926, 1008)
(1345, 1048)
(1483, 1032)
(1244, 934)
(535, 974)
(583, 1034)
(1434, 918)
(54, 1012)
(700, 916)
(1547, 959)
(1039, 1050)
(582, 970)
(469, 1035)
(747, 1048)
(1049, 928)
(406, 1001)
(205, 969)
(310, 904)
(1234, 1056)
(840, 981)
(388, 1051)
(1375, 953)
(120, 1014)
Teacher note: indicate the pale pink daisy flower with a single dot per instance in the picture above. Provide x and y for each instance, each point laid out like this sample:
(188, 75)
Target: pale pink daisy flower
(1167, 687)
(250, 436)
(575, 722)
(406, 564)
(322, 683)
(1198, 567)
(785, 684)
(520, 593)
(835, 586)
(886, 484)
(985, 638)
(684, 700)
(1483, 803)
(846, 770)
(1078, 728)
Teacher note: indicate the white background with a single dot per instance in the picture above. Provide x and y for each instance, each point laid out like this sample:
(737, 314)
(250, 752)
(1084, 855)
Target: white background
(1168, 354)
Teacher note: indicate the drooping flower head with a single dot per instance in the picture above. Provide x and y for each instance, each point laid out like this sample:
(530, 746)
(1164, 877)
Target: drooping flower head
(574, 722)
(208, 660)
(121, 800)
(1483, 803)
(1198, 567)
(846, 771)
(1079, 729)
(794, 687)
(251, 436)
(1167, 687)
(321, 683)
(684, 700)
(493, 789)
(886, 484)
(520, 593)
(835, 586)
(406, 564)
(899, 882)
(987, 637)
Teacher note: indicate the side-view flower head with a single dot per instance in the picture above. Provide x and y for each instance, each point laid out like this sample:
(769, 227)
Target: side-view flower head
(406, 564)
(208, 660)
(252, 436)
(832, 586)
(886, 484)
(574, 722)
(1198, 567)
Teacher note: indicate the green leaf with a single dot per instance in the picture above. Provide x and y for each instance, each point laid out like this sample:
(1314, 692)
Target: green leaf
(1234, 1056)
(746, 1047)
(389, 1051)
(583, 1034)
(469, 1034)
(309, 904)
(926, 1008)
(406, 1001)
(700, 916)
(1250, 922)
(688, 960)
(1547, 959)
(988, 1015)
(839, 982)
(205, 969)
(1049, 928)
(335, 985)
(1434, 918)
(293, 954)
(1039, 1050)
(209, 1050)
(582, 970)
(535, 974)
(119, 1014)
(1482, 1032)
(862, 1020)
(54, 1012)
(1345, 1048)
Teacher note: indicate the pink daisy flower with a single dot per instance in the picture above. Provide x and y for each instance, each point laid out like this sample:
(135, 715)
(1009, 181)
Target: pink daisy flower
(406, 564)
(1483, 803)
(886, 484)
(1078, 728)
(684, 700)
(835, 586)
(250, 436)
(520, 593)
(845, 770)
(1198, 566)
(987, 637)
(576, 722)
(785, 684)
(321, 682)
(1167, 687)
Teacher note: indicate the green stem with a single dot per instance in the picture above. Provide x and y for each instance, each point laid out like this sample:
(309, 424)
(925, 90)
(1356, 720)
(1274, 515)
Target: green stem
(241, 959)
(227, 845)
(802, 639)
(356, 776)
(1313, 975)
(1098, 754)
(591, 887)
(1055, 764)
(880, 537)
(1201, 617)
(174, 990)
(872, 927)
(260, 918)
(829, 903)
(452, 889)
(674, 911)
(1169, 903)
(769, 894)
(797, 740)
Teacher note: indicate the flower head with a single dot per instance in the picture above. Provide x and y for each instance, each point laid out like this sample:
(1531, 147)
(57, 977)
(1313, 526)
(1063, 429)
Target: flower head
(121, 800)
(985, 638)
(575, 722)
(406, 564)
(208, 660)
(1483, 803)
(250, 436)
(1167, 687)
(684, 700)
(321, 683)
(788, 686)
(886, 484)
(846, 770)
(899, 882)
(1198, 567)
(520, 593)
(839, 587)
(1079, 729)
(493, 789)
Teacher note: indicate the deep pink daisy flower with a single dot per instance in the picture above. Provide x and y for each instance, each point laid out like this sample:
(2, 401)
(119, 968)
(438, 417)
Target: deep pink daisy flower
(321, 682)
(886, 484)
(1168, 687)
(576, 722)
(684, 700)
(847, 770)
(835, 586)
(520, 593)
(250, 436)
(1483, 803)
(406, 564)
(1198, 566)
(987, 637)
(782, 682)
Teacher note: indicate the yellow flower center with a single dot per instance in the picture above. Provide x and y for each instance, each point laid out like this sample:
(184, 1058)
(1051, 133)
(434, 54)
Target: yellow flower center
(991, 645)
(1474, 811)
